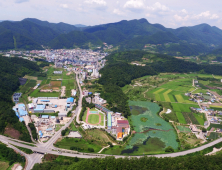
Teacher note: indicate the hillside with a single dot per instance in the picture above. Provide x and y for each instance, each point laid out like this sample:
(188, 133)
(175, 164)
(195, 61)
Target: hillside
(10, 70)
(74, 39)
(39, 34)
(61, 28)
(17, 41)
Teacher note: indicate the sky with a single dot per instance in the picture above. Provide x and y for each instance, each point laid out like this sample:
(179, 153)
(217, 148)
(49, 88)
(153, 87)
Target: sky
(170, 13)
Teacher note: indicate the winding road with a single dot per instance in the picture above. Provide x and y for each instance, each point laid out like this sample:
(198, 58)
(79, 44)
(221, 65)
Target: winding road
(42, 148)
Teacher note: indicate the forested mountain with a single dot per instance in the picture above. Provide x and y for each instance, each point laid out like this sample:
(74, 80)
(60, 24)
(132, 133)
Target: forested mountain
(10, 71)
(11, 40)
(80, 26)
(75, 39)
(127, 35)
(39, 34)
(61, 28)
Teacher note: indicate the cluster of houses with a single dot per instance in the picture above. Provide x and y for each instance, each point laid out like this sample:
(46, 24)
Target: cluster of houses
(208, 98)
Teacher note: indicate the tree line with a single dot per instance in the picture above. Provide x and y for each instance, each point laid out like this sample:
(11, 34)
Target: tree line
(110, 163)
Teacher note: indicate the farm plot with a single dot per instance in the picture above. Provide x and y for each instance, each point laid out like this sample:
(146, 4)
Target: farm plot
(179, 107)
(69, 86)
(171, 95)
(181, 118)
(185, 115)
(55, 84)
(190, 118)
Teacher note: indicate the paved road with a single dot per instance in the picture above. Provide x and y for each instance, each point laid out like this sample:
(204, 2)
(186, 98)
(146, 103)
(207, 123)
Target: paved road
(39, 149)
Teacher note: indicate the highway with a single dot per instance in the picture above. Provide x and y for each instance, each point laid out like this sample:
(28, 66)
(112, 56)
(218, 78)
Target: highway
(42, 148)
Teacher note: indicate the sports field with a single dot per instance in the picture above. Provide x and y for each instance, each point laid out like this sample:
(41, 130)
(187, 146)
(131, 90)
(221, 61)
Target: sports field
(93, 117)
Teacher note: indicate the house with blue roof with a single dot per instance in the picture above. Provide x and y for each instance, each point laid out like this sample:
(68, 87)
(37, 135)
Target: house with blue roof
(21, 119)
(70, 100)
(40, 134)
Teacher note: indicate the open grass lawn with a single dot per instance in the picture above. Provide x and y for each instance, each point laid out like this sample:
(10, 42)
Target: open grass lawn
(58, 126)
(184, 129)
(4, 165)
(95, 139)
(73, 127)
(37, 93)
(93, 119)
(82, 144)
(65, 76)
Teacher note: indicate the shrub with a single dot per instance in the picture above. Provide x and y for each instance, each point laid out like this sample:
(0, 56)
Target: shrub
(90, 149)
(169, 149)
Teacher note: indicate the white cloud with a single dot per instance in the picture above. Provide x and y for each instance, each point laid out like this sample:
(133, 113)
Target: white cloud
(207, 15)
(64, 5)
(134, 4)
(98, 2)
(184, 11)
(214, 16)
(180, 18)
(118, 12)
(158, 6)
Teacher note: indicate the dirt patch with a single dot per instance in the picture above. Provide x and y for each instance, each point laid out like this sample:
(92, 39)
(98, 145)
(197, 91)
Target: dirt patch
(69, 73)
(4, 165)
(50, 157)
(55, 84)
(12, 132)
(15, 166)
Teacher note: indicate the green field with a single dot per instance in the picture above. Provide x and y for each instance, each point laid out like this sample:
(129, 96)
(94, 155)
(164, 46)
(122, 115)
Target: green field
(37, 93)
(170, 95)
(4, 165)
(93, 119)
(82, 144)
(94, 138)
(185, 115)
(181, 118)
(184, 129)
(30, 84)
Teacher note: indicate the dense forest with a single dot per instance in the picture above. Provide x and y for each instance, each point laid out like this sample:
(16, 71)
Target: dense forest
(110, 163)
(119, 72)
(9, 155)
(10, 71)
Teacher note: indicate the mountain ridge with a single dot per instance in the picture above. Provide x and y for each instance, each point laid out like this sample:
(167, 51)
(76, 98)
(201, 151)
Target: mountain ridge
(122, 34)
